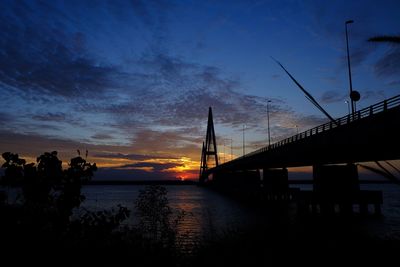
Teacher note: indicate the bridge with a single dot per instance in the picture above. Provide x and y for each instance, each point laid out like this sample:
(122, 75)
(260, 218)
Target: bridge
(368, 135)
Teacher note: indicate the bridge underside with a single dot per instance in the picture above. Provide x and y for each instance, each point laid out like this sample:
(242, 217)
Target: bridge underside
(374, 138)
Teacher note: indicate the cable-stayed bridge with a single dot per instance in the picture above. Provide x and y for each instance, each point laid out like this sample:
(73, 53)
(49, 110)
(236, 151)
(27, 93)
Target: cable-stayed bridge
(371, 134)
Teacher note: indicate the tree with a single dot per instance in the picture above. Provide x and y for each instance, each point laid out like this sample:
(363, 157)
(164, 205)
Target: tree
(49, 192)
(157, 221)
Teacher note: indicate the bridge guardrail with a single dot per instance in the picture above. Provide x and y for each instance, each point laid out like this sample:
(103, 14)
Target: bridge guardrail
(363, 113)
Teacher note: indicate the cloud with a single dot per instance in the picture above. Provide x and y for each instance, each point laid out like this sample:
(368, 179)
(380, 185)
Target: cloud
(5, 118)
(389, 64)
(177, 93)
(329, 97)
(162, 90)
(333, 97)
(138, 157)
(153, 166)
(394, 83)
(169, 142)
(132, 174)
(101, 136)
(57, 117)
(358, 54)
(37, 56)
(326, 17)
(151, 12)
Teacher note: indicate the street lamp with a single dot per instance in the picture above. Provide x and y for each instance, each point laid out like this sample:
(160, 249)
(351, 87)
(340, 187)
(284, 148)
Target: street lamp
(244, 127)
(231, 150)
(354, 95)
(223, 146)
(269, 134)
(348, 106)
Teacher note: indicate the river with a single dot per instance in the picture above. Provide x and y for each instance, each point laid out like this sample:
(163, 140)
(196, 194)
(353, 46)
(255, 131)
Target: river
(208, 212)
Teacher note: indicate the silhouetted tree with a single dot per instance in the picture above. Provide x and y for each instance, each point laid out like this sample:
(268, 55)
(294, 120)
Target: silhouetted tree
(49, 192)
(154, 211)
(157, 221)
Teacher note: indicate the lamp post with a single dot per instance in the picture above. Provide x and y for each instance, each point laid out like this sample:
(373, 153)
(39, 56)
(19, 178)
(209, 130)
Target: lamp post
(348, 106)
(348, 64)
(269, 133)
(223, 145)
(244, 127)
(231, 150)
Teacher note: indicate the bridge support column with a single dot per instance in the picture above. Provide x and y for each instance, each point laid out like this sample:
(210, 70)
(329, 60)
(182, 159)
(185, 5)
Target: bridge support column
(276, 183)
(336, 186)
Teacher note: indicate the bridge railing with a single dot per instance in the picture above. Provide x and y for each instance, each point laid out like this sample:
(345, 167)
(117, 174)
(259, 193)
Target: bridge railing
(363, 113)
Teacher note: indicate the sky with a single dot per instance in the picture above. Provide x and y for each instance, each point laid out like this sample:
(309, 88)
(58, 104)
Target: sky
(131, 81)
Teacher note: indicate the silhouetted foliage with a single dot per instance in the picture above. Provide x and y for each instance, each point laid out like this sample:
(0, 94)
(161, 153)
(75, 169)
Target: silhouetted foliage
(45, 219)
(96, 228)
(157, 221)
(49, 192)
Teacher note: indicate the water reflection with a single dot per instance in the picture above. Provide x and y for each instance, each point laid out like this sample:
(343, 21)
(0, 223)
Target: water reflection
(205, 211)
(208, 213)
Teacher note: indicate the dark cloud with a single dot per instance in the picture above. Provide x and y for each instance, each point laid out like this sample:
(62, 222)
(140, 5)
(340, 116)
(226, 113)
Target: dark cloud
(56, 117)
(364, 28)
(31, 145)
(179, 94)
(373, 94)
(39, 55)
(329, 97)
(389, 64)
(152, 165)
(151, 12)
(59, 118)
(394, 83)
(131, 174)
(101, 136)
(169, 141)
(5, 117)
(333, 97)
(138, 157)
(358, 54)
(45, 58)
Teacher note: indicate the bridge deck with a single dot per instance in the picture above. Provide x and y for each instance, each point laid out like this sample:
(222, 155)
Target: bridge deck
(371, 134)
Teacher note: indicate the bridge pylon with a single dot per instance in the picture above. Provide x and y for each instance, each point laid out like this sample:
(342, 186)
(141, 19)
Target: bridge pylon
(209, 150)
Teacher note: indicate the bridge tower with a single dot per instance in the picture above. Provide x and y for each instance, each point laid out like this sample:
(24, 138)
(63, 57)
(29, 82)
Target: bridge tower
(209, 150)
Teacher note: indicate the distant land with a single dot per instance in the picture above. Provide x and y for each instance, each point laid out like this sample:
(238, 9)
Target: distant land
(143, 182)
(194, 182)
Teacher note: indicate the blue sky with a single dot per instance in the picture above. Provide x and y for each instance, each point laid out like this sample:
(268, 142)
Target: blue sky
(131, 81)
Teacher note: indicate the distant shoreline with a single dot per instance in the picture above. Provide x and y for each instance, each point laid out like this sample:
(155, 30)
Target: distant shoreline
(144, 182)
(192, 182)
